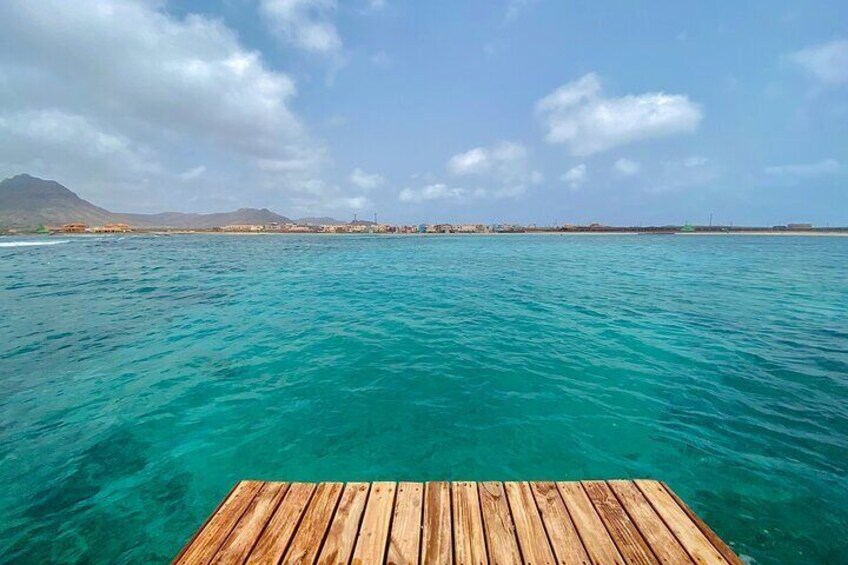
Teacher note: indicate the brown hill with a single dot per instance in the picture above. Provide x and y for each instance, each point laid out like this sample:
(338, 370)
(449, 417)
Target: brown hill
(27, 202)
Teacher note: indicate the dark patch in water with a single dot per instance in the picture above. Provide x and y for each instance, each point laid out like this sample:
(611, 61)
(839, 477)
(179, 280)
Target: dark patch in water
(118, 455)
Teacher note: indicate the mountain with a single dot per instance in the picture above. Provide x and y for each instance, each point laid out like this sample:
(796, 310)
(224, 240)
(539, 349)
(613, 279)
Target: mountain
(27, 202)
(197, 221)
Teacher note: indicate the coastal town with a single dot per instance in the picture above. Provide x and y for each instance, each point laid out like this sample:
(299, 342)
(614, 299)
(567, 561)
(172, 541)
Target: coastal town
(29, 205)
(367, 227)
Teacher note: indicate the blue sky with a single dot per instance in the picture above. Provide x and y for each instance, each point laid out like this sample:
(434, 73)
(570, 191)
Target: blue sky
(528, 111)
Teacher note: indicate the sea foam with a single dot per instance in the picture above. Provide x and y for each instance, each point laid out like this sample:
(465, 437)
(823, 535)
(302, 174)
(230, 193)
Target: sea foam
(32, 243)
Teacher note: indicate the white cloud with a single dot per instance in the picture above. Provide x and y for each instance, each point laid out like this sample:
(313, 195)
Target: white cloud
(509, 159)
(502, 166)
(348, 203)
(578, 115)
(506, 164)
(315, 196)
(128, 75)
(506, 159)
(627, 167)
(61, 136)
(575, 177)
(436, 191)
(56, 144)
(305, 24)
(827, 62)
(365, 180)
(192, 173)
(186, 76)
(825, 167)
(473, 162)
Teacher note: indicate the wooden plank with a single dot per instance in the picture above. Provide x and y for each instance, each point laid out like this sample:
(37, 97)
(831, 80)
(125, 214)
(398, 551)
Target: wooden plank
(589, 523)
(561, 531)
(405, 538)
(663, 543)
(719, 544)
(314, 525)
(437, 545)
(687, 533)
(241, 540)
(205, 523)
(341, 538)
(497, 523)
(209, 539)
(272, 544)
(469, 541)
(621, 528)
(529, 529)
(374, 531)
(596, 539)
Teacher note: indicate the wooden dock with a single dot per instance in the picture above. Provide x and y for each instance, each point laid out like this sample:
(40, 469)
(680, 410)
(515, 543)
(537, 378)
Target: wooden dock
(587, 522)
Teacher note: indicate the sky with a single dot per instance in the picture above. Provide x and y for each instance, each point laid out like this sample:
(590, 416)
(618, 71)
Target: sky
(495, 111)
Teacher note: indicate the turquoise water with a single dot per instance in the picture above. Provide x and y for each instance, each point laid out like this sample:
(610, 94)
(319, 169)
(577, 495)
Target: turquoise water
(140, 377)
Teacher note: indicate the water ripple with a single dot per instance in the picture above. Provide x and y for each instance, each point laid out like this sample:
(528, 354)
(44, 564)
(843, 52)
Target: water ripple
(141, 376)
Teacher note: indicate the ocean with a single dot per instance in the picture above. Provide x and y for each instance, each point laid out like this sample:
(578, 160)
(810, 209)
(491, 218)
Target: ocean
(142, 376)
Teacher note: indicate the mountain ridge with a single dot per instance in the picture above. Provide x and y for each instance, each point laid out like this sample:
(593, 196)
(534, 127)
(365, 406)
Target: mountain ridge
(27, 202)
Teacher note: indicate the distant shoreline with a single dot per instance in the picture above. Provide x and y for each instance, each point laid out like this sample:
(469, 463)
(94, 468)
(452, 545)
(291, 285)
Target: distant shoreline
(774, 233)
(566, 233)
(168, 233)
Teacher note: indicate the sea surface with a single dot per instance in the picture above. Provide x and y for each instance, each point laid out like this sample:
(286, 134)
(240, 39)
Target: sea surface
(142, 376)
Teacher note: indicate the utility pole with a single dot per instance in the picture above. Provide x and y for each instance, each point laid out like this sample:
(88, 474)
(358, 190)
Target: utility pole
(711, 219)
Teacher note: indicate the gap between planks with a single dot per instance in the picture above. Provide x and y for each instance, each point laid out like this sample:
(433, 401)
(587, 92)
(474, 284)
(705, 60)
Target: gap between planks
(466, 523)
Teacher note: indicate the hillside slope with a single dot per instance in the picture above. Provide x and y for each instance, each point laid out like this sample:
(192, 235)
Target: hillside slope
(27, 202)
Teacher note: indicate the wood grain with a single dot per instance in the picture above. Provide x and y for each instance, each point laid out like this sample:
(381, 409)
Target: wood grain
(684, 529)
(561, 531)
(585, 523)
(665, 546)
(529, 528)
(243, 537)
(205, 545)
(623, 531)
(405, 538)
(316, 521)
(719, 544)
(469, 541)
(596, 539)
(437, 543)
(274, 540)
(341, 538)
(374, 531)
(497, 524)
